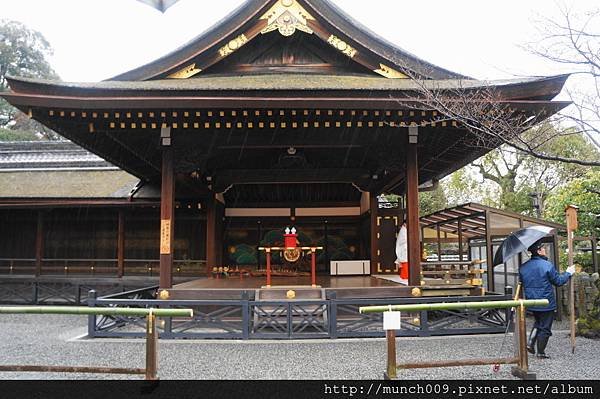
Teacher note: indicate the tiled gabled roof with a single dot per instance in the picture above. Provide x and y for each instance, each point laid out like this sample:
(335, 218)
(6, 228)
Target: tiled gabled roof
(48, 155)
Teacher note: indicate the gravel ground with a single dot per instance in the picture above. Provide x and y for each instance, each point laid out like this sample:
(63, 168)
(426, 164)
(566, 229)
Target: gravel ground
(57, 340)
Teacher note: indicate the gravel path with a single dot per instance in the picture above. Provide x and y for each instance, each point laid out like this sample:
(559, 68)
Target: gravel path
(56, 340)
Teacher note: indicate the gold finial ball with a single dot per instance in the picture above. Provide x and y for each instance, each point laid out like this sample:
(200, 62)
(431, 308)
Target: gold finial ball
(291, 294)
(416, 291)
(164, 294)
(416, 321)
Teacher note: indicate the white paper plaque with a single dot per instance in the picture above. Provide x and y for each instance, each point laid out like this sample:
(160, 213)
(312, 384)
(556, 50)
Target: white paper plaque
(391, 320)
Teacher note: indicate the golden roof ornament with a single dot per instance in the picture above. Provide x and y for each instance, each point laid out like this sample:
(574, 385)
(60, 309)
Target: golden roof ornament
(286, 16)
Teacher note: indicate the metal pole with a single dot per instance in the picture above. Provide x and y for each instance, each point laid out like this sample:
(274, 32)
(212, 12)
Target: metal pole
(84, 310)
(313, 267)
(391, 354)
(454, 306)
(268, 253)
(151, 347)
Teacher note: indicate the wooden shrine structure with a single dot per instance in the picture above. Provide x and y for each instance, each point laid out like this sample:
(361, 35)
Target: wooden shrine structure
(286, 111)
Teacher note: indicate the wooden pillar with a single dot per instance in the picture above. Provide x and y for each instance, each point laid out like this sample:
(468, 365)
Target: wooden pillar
(219, 231)
(121, 244)
(460, 240)
(412, 209)
(313, 267)
(39, 243)
(268, 254)
(211, 231)
(167, 211)
(374, 209)
(439, 242)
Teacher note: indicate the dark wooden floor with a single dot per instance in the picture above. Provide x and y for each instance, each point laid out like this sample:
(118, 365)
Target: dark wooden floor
(258, 282)
(234, 287)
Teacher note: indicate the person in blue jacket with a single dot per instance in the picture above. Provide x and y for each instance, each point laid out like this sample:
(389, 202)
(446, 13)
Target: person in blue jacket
(538, 278)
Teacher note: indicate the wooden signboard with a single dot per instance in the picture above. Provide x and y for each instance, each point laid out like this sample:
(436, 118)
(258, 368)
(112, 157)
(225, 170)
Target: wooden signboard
(165, 237)
(571, 212)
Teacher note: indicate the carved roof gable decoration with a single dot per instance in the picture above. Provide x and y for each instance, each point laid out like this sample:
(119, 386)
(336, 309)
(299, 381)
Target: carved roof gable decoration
(287, 16)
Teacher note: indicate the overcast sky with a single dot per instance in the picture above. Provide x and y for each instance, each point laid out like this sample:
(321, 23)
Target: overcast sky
(97, 39)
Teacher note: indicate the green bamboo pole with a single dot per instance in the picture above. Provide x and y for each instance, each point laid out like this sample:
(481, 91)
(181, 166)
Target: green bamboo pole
(454, 306)
(84, 310)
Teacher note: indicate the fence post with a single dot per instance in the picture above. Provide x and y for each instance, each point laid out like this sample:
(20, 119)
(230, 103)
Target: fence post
(168, 327)
(522, 368)
(390, 373)
(424, 324)
(77, 294)
(245, 315)
(166, 324)
(151, 347)
(332, 314)
(91, 302)
(35, 293)
(290, 323)
(508, 313)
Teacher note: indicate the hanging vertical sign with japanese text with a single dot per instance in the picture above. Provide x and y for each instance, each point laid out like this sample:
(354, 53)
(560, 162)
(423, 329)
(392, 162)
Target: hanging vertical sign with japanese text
(165, 236)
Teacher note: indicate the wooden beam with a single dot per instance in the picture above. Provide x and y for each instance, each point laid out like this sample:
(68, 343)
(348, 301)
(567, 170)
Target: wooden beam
(412, 208)
(39, 243)
(121, 244)
(227, 177)
(167, 213)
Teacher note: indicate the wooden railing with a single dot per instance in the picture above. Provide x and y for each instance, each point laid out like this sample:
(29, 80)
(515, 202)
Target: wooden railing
(452, 273)
(98, 267)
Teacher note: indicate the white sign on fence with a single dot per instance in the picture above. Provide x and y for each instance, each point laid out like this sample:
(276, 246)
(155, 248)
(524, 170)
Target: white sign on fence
(391, 320)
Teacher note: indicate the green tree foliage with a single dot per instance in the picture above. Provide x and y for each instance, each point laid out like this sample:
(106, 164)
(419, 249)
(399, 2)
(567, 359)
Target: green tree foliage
(583, 192)
(17, 135)
(460, 187)
(516, 175)
(23, 52)
(432, 201)
(543, 177)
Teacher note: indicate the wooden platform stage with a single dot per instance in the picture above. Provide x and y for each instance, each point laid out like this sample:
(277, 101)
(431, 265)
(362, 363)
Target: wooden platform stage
(233, 287)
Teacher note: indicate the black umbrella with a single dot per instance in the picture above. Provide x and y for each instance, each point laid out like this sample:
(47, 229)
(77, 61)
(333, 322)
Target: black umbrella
(160, 5)
(519, 241)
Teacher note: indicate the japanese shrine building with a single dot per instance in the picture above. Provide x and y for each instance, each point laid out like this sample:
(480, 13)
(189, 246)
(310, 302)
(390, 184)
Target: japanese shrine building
(285, 113)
